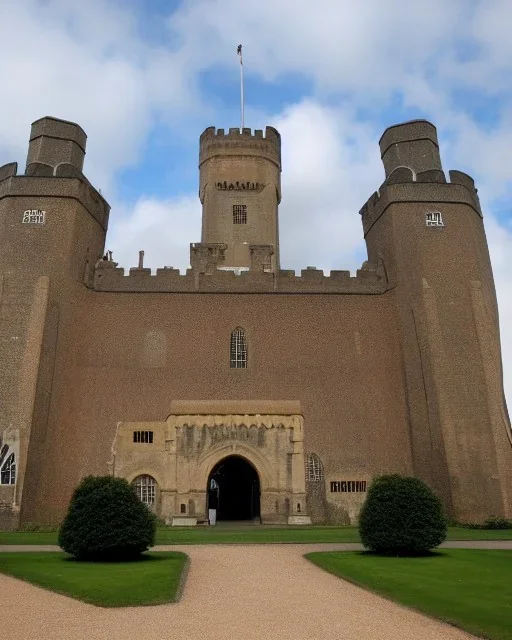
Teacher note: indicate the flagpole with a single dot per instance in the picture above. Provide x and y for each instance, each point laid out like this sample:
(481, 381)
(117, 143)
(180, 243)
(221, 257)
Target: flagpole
(239, 51)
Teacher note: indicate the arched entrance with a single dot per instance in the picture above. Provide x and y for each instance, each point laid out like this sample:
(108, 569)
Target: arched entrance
(235, 492)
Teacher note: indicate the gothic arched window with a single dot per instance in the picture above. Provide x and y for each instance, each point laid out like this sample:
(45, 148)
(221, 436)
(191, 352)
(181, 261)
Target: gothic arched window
(145, 488)
(7, 466)
(314, 468)
(238, 349)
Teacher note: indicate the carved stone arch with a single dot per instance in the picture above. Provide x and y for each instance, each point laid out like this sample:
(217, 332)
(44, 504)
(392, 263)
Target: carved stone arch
(208, 462)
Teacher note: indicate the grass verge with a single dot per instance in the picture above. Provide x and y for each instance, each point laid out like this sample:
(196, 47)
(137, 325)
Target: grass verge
(156, 578)
(471, 589)
(259, 534)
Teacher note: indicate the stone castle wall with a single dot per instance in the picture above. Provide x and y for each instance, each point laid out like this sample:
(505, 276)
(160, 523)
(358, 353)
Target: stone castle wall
(397, 369)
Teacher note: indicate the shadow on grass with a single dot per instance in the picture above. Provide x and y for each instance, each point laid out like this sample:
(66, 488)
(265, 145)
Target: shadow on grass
(143, 558)
(424, 554)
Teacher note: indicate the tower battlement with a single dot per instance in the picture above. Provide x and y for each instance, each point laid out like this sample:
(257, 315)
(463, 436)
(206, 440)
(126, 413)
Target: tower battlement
(402, 185)
(216, 142)
(414, 173)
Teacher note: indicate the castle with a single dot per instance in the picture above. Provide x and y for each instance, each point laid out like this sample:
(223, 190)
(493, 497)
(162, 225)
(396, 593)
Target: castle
(291, 392)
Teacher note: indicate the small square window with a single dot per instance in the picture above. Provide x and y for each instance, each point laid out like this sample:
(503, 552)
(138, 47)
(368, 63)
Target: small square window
(239, 214)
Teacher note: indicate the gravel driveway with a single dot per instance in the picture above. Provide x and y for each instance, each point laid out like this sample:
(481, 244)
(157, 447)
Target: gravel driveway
(233, 592)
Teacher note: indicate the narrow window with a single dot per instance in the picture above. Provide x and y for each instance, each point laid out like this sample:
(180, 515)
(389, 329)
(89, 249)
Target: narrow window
(8, 470)
(314, 469)
(434, 219)
(239, 214)
(238, 350)
(145, 489)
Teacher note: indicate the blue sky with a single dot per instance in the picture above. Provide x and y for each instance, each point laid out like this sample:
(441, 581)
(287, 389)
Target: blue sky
(145, 78)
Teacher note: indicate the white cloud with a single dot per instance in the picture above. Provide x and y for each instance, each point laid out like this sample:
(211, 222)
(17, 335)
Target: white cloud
(87, 62)
(163, 229)
(84, 62)
(330, 167)
(365, 47)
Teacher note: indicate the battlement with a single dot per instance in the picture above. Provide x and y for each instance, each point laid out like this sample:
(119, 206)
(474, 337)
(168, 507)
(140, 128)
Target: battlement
(404, 185)
(216, 142)
(369, 279)
(62, 181)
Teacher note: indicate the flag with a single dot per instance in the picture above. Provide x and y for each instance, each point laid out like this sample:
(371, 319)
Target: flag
(239, 52)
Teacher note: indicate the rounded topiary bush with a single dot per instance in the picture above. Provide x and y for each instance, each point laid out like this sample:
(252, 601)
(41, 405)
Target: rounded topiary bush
(106, 521)
(401, 516)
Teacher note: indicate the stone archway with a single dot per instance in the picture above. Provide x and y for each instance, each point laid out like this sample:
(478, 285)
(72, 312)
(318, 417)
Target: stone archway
(234, 489)
(198, 434)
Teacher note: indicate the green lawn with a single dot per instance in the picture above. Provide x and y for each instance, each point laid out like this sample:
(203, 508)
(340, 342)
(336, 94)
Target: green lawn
(469, 588)
(153, 579)
(257, 534)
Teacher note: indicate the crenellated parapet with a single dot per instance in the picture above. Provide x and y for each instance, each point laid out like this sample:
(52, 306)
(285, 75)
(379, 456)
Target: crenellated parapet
(410, 154)
(370, 279)
(55, 160)
(216, 142)
(403, 185)
(62, 181)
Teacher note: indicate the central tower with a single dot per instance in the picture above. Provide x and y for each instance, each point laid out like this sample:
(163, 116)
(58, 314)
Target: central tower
(240, 190)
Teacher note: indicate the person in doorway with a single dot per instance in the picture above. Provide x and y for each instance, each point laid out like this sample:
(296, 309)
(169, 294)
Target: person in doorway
(213, 501)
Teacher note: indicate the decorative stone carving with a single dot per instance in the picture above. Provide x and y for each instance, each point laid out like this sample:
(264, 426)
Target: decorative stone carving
(187, 447)
(240, 186)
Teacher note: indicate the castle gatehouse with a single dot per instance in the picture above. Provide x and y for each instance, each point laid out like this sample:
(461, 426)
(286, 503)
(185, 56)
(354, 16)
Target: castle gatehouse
(279, 396)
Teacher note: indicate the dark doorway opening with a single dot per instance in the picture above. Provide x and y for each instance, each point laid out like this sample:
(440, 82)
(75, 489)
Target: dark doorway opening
(238, 494)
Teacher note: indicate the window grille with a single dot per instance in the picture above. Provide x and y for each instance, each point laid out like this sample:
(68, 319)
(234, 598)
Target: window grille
(314, 469)
(145, 489)
(239, 214)
(3, 453)
(238, 350)
(8, 469)
(143, 436)
(348, 486)
(434, 219)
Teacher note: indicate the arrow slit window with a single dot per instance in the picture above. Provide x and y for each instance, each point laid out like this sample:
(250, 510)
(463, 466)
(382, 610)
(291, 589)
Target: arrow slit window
(238, 350)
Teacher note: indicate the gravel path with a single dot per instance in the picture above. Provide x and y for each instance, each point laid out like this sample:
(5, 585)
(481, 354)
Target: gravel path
(232, 591)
